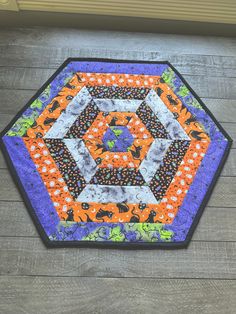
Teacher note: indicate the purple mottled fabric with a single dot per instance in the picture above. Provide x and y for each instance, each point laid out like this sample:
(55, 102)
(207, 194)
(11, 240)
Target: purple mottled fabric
(116, 139)
(32, 183)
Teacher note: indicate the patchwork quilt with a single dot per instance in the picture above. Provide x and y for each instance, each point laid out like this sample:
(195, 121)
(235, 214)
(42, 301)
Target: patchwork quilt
(115, 153)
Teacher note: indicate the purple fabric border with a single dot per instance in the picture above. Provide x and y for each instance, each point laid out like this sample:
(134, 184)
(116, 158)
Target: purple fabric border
(206, 171)
(111, 67)
(35, 187)
(209, 125)
(32, 183)
(197, 191)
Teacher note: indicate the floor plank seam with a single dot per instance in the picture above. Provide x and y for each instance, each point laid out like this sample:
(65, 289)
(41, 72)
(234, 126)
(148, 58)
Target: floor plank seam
(55, 68)
(120, 278)
(98, 49)
(193, 240)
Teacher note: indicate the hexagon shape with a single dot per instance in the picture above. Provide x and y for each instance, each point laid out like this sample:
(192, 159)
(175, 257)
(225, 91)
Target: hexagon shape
(115, 153)
(134, 148)
(118, 139)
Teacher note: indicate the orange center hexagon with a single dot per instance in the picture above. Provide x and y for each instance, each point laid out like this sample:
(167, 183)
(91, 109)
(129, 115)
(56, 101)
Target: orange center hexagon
(134, 155)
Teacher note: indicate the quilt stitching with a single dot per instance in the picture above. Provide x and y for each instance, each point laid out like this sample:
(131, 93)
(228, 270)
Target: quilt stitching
(120, 155)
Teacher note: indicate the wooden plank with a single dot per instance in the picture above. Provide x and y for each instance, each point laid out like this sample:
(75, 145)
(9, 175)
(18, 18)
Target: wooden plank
(14, 100)
(74, 38)
(8, 188)
(118, 295)
(23, 78)
(204, 86)
(53, 57)
(230, 165)
(15, 220)
(28, 256)
(223, 109)
(217, 224)
(230, 128)
(214, 226)
(223, 195)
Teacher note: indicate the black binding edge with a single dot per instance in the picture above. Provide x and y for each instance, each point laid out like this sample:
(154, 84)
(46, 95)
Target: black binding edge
(105, 244)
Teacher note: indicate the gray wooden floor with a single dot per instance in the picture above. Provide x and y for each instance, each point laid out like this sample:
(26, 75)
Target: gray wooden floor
(200, 279)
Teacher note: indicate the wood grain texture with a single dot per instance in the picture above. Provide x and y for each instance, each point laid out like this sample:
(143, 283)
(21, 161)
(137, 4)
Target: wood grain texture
(29, 78)
(199, 279)
(216, 224)
(73, 39)
(224, 110)
(28, 256)
(53, 57)
(113, 295)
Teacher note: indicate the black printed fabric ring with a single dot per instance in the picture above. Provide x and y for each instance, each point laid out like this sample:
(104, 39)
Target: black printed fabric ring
(115, 153)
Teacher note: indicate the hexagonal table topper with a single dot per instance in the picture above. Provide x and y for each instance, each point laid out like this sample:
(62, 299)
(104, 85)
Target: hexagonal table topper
(115, 153)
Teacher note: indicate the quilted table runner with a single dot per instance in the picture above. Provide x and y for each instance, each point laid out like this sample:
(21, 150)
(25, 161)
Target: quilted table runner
(115, 154)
